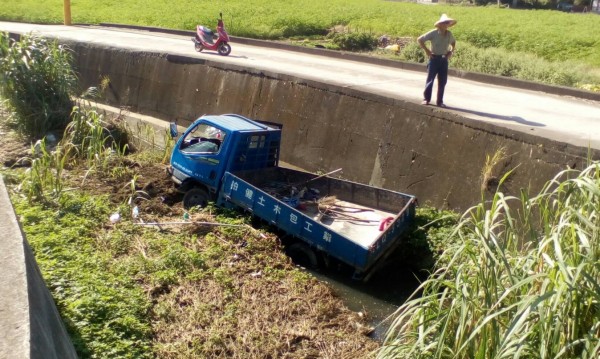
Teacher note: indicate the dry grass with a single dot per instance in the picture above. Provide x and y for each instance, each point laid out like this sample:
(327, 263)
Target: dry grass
(255, 304)
(489, 174)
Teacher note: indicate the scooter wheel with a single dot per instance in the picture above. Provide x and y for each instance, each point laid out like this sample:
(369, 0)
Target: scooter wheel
(224, 49)
(198, 47)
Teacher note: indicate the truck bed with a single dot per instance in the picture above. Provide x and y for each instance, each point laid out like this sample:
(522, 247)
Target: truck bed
(358, 223)
(353, 222)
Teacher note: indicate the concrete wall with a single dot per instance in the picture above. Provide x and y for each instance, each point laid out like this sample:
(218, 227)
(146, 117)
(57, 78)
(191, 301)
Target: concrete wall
(385, 142)
(30, 326)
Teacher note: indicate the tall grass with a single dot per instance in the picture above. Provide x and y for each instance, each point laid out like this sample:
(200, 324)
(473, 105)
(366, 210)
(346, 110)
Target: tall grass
(94, 138)
(520, 277)
(37, 81)
(86, 138)
(45, 176)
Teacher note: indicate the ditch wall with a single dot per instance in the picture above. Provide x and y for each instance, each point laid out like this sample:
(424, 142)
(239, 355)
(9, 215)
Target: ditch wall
(438, 156)
(30, 326)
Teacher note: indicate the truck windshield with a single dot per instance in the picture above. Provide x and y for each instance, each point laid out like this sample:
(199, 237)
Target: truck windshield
(203, 138)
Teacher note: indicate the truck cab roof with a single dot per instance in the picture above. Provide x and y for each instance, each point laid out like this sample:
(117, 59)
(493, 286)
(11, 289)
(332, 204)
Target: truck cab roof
(234, 122)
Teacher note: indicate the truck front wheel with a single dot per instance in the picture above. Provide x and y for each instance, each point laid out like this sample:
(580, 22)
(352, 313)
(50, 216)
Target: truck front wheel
(195, 197)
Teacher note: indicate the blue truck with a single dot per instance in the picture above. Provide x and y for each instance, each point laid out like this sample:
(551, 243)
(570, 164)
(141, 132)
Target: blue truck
(233, 161)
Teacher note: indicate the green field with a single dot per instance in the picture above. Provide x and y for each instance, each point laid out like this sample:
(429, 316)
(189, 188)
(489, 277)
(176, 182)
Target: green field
(552, 35)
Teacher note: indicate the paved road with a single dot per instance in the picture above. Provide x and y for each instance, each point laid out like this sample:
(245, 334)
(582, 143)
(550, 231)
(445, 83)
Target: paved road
(563, 118)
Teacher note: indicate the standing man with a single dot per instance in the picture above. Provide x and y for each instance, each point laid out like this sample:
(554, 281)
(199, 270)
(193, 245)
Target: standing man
(442, 46)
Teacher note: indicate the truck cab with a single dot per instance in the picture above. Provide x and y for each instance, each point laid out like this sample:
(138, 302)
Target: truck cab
(216, 144)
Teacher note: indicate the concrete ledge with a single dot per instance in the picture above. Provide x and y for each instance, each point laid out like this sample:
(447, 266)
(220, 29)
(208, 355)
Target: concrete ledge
(473, 76)
(406, 147)
(139, 124)
(30, 326)
(160, 123)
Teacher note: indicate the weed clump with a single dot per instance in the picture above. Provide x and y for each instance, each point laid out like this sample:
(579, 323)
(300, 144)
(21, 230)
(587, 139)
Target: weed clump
(353, 41)
(38, 82)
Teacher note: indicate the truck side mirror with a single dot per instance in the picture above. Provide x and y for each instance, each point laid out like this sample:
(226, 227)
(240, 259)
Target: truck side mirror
(173, 130)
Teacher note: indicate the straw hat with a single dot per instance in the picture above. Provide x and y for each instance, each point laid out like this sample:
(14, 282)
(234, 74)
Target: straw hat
(445, 18)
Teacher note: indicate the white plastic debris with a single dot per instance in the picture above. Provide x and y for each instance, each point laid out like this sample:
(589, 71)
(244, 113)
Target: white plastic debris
(135, 212)
(115, 217)
(37, 147)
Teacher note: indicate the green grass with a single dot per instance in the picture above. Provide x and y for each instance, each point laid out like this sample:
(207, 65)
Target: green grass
(127, 291)
(104, 309)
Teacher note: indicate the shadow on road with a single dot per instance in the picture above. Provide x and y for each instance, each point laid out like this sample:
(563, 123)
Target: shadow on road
(516, 119)
(212, 53)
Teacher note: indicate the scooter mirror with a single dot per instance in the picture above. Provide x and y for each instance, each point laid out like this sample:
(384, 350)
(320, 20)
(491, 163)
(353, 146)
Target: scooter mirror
(221, 15)
(173, 129)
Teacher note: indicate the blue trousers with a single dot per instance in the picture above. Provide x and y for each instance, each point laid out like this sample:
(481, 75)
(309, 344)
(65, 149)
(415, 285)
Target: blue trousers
(437, 66)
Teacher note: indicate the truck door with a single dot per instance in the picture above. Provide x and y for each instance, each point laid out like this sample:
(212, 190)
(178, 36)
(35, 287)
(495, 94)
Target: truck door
(201, 153)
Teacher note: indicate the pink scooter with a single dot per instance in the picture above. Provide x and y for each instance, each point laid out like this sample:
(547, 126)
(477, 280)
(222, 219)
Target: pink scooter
(206, 39)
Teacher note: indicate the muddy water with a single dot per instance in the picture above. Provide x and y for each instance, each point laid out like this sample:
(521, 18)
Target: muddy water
(378, 299)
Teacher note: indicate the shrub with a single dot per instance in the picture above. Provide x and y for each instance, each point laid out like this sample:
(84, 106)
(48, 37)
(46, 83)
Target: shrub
(529, 67)
(37, 80)
(481, 38)
(354, 41)
(413, 52)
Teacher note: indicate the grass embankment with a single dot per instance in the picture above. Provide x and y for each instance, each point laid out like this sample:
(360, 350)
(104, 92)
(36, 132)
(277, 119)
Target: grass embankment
(130, 292)
(539, 45)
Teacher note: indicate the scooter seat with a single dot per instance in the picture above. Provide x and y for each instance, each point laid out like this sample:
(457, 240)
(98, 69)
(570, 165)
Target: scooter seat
(206, 34)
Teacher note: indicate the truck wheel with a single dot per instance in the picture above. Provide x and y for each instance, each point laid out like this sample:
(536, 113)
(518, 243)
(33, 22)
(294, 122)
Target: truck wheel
(303, 255)
(195, 197)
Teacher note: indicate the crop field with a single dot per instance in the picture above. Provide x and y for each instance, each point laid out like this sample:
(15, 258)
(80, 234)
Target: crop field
(547, 34)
